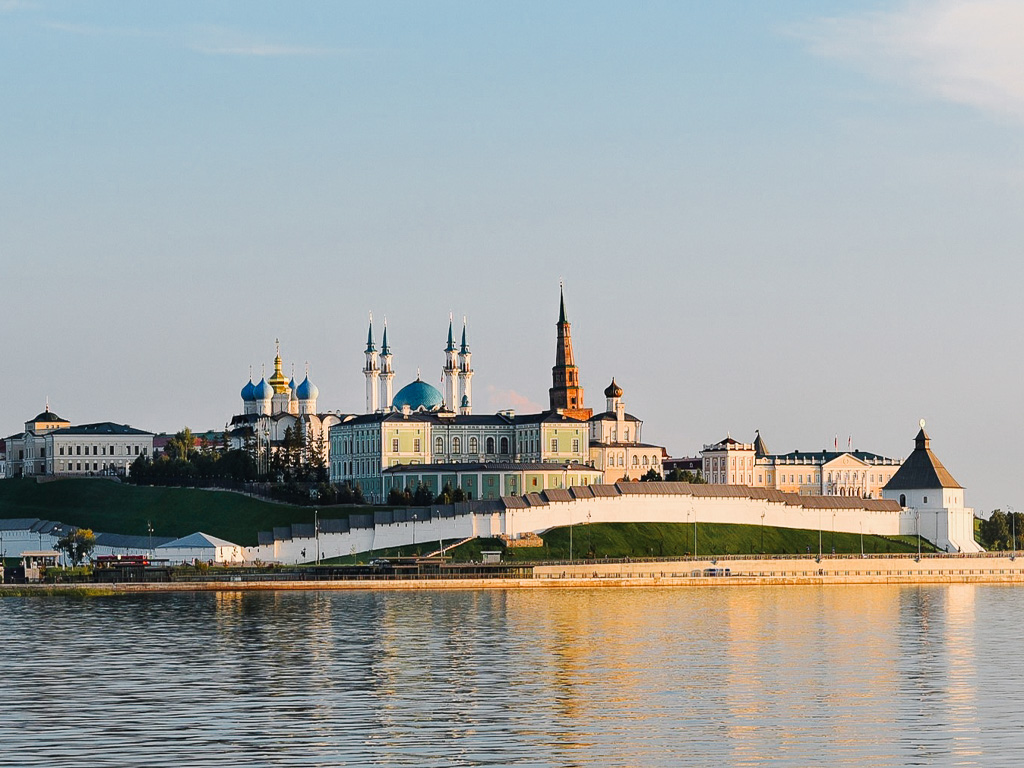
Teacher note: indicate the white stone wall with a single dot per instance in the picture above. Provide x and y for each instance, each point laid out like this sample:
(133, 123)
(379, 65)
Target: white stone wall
(615, 509)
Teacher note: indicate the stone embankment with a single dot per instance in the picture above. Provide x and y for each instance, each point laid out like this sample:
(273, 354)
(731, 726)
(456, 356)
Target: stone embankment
(719, 572)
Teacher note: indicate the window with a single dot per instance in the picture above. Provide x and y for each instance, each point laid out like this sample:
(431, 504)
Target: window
(645, 461)
(575, 445)
(504, 445)
(78, 452)
(136, 450)
(490, 445)
(62, 453)
(456, 445)
(635, 462)
(474, 445)
(438, 445)
(554, 445)
(416, 445)
(95, 452)
(394, 445)
(625, 435)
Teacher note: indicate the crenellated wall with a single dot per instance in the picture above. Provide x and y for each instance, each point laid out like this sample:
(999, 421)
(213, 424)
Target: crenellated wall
(621, 503)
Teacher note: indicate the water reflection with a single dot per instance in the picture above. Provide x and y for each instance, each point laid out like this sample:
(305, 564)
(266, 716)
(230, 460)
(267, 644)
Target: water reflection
(796, 676)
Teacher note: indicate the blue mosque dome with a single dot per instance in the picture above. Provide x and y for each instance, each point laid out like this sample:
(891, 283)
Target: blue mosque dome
(418, 395)
(307, 390)
(248, 392)
(263, 391)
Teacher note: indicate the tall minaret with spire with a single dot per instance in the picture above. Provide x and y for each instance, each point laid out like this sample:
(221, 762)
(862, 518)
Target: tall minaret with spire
(450, 372)
(566, 394)
(387, 374)
(371, 371)
(465, 376)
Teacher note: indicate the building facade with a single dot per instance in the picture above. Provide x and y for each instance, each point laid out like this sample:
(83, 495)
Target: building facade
(820, 473)
(50, 445)
(616, 447)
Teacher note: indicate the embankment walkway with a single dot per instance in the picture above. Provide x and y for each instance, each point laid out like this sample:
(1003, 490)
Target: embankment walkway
(717, 572)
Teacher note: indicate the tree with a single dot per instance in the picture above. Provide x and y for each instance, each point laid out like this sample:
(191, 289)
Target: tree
(995, 532)
(77, 544)
(423, 496)
(651, 475)
(181, 445)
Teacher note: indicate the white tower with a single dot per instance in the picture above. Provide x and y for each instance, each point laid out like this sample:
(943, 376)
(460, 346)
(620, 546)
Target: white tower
(465, 376)
(387, 374)
(372, 372)
(451, 372)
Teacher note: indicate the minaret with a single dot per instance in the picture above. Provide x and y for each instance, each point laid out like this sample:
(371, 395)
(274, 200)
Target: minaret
(465, 376)
(450, 372)
(387, 374)
(372, 371)
(566, 394)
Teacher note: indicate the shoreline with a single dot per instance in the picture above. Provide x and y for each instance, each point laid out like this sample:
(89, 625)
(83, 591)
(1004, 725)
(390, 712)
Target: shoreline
(746, 572)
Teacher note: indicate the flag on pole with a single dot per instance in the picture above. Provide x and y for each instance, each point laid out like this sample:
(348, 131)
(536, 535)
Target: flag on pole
(837, 441)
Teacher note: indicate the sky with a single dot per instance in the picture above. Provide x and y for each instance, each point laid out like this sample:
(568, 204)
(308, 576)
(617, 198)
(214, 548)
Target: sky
(795, 217)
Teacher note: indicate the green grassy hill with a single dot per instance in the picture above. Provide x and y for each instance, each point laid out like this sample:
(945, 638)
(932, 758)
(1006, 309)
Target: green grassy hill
(640, 540)
(104, 505)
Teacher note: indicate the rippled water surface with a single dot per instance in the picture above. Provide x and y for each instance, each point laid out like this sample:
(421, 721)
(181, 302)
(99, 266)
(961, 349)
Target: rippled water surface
(796, 676)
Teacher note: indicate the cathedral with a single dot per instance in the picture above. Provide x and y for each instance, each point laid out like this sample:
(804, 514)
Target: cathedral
(276, 405)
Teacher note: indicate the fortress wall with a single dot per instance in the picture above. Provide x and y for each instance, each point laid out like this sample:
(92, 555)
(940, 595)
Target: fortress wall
(623, 508)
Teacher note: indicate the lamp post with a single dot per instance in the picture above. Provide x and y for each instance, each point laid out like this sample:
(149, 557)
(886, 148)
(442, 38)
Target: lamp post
(149, 529)
(316, 533)
(414, 529)
(565, 482)
(819, 536)
(917, 515)
(1013, 534)
(762, 531)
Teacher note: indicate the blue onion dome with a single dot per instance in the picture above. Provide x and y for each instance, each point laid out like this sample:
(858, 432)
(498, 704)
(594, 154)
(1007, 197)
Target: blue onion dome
(248, 392)
(307, 390)
(263, 391)
(418, 395)
(291, 385)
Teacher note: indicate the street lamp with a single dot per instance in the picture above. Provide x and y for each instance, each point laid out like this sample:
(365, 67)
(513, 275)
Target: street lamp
(1013, 534)
(316, 533)
(917, 514)
(819, 536)
(762, 531)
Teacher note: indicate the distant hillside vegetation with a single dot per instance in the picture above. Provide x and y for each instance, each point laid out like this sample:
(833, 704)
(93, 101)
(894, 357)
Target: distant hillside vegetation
(105, 505)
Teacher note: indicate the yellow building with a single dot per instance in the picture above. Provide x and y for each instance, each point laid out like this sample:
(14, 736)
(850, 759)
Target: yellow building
(810, 473)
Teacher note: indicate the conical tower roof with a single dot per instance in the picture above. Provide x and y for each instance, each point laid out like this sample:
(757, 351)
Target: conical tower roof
(760, 448)
(922, 469)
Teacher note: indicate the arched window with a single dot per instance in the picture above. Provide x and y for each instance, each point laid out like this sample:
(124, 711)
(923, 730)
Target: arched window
(504, 445)
(490, 445)
(645, 461)
(456, 445)
(439, 446)
(474, 445)
(903, 499)
(635, 462)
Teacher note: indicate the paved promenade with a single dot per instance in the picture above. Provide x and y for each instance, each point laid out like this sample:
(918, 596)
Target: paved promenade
(718, 572)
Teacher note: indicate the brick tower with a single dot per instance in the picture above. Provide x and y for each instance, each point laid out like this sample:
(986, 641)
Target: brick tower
(566, 394)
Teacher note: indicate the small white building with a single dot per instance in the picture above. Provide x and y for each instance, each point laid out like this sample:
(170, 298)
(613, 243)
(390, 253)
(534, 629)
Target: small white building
(925, 488)
(200, 547)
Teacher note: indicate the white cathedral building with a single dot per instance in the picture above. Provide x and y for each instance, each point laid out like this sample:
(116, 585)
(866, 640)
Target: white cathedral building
(275, 405)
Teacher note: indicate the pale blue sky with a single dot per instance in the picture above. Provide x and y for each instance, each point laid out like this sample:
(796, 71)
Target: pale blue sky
(802, 217)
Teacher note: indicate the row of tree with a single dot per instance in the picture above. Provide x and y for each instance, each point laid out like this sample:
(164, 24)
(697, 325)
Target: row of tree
(185, 459)
(998, 532)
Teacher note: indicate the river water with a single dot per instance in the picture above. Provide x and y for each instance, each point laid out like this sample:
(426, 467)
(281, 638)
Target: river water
(716, 676)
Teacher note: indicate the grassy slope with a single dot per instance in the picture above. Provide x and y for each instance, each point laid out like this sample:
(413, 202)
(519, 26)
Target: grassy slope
(668, 539)
(104, 505)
